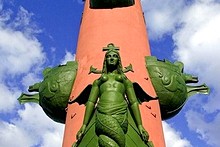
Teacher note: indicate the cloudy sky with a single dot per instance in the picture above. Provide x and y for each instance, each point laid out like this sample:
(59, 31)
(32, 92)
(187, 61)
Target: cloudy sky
(40, 33)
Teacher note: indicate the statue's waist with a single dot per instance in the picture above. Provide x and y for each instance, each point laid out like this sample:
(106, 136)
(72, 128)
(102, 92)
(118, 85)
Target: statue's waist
(113, 108)
(112, 92)
(112, 96)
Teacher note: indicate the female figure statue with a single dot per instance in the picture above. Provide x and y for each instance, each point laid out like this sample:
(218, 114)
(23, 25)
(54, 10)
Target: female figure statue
(111, 95)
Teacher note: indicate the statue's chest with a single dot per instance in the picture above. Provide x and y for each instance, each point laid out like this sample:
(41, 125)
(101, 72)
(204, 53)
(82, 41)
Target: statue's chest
(112, 83)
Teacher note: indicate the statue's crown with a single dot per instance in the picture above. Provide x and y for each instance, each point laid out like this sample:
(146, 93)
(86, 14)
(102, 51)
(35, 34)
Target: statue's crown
(110, 47)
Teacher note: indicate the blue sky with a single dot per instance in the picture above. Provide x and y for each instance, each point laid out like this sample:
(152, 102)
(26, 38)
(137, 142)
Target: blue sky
(40, 33)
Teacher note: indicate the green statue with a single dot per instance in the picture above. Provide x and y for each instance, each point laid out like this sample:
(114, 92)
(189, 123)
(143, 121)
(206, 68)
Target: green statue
(170, 84)
(53, 91)
(112, 99)
(112, 116)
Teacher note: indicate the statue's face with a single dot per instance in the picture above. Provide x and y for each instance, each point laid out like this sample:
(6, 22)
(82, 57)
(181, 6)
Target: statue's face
(112, 58)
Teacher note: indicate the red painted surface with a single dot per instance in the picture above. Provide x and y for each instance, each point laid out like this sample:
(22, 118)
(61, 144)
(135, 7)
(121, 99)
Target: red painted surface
(125, 28)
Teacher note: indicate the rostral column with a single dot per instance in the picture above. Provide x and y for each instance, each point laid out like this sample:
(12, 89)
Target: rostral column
(126, 28)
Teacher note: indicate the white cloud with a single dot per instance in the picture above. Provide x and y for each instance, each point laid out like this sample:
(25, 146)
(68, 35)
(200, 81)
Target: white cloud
(39, 127)
(194, 27)
(23, 21)
(8, 98)
(30, 79)
(162, 17)
(68, 57)
(52, 139)
(174, 138)
(19, 48)
(21, 57)
(208, 131)
(32, 127)
(20, 53)
(11, 136)
(197, 45)
(5, 15)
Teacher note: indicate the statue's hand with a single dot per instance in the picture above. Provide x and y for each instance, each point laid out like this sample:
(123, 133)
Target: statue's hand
(144, 134)
(81, 132)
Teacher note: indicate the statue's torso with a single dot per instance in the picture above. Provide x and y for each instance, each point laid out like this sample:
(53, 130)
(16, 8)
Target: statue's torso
(112, 89)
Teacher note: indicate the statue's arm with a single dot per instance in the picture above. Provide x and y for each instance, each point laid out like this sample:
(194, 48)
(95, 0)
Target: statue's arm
(90, 105)
(134, 105)
(133, 102)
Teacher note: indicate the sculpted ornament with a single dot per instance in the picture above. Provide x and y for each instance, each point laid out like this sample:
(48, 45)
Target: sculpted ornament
(112, 116)
(112, 108)
(171, 85)
(53, 92)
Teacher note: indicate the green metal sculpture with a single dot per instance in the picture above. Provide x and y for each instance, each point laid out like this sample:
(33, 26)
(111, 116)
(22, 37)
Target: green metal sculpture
(114, 109)
(54, 90)
(112, 116)
(169, 82)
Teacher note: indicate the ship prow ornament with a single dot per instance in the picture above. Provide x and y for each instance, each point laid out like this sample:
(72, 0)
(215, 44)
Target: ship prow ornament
(103, 103)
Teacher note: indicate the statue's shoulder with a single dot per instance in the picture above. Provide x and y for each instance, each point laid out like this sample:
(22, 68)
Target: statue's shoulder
(100, 80)
(126, 81)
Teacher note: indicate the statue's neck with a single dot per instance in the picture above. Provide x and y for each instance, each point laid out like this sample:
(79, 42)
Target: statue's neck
(112, 70)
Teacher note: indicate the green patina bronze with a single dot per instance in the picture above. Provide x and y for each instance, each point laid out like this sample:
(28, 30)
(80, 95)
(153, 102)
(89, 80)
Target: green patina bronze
(170, 84)
(104, 4)
(112, 116)
(53, 91)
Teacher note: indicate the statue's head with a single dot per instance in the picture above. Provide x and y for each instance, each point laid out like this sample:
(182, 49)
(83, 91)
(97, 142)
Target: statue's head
(112, 59)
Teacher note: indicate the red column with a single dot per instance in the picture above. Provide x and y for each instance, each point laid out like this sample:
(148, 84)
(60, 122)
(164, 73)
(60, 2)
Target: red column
(125, 27)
